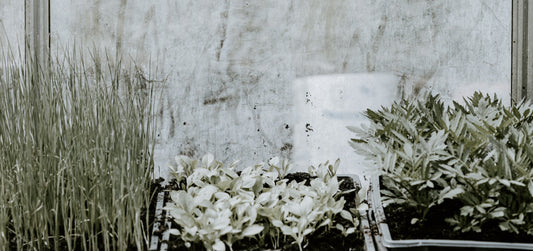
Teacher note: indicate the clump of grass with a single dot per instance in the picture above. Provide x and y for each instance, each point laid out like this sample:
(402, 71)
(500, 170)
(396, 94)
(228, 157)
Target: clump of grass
(75, 163)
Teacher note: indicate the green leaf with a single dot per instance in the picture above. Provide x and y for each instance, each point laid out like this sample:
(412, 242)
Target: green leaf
(467, 210)
(308, 231)
(277, 223)
(273, 161)
(350, 230)
(353, 129)
(219, 245)
(401, 137)
(346, 215)
(474, 176)
(326, 222)
(288, 230)
(436, 175)
(450, 170)
(514, 182)
(207, 160)
(450, 194)
(505, 182)
(504, 226)
(174, 231)
(416, 182)
(480, 209)
(359, 140)
(206, 193)
(252, 230)
(498, 213)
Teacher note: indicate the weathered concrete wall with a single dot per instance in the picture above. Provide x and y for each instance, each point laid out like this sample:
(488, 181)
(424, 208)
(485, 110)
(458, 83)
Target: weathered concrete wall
(11, 25)
(229, 64)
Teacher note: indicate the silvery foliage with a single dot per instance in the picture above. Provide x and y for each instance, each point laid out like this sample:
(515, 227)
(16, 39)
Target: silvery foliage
(478, 153)
(218, 206)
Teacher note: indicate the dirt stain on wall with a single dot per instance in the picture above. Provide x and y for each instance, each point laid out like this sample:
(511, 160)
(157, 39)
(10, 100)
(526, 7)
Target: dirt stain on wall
(212, 101)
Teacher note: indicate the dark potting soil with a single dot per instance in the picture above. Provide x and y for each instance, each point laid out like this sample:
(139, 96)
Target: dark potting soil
(319, 240)
(398, 217)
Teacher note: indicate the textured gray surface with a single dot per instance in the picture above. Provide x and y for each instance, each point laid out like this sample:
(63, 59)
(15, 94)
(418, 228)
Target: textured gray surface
(229, 64)
(11, 24)
(325, 105)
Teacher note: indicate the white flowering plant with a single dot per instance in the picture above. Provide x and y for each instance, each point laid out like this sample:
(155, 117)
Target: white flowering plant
(218, 206)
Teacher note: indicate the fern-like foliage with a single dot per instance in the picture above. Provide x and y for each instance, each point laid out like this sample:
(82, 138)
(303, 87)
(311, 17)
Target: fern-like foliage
(478, 153)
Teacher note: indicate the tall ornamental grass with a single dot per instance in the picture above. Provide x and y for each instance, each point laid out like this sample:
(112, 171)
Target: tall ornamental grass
(75, 162)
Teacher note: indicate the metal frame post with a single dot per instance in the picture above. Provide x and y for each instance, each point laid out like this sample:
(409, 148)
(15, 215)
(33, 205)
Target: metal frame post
(37, 34)
(36, 52)
(522, 51)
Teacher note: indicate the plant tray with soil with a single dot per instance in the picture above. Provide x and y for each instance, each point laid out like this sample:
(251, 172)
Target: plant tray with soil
(393, 229)
(451, 175)
(212, 207)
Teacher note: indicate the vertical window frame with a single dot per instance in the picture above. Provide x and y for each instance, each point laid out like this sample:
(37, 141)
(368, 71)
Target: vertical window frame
(522, 51)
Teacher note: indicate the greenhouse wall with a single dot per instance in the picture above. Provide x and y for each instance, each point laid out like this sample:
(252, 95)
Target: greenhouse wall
(11, 25)
(227, 67)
